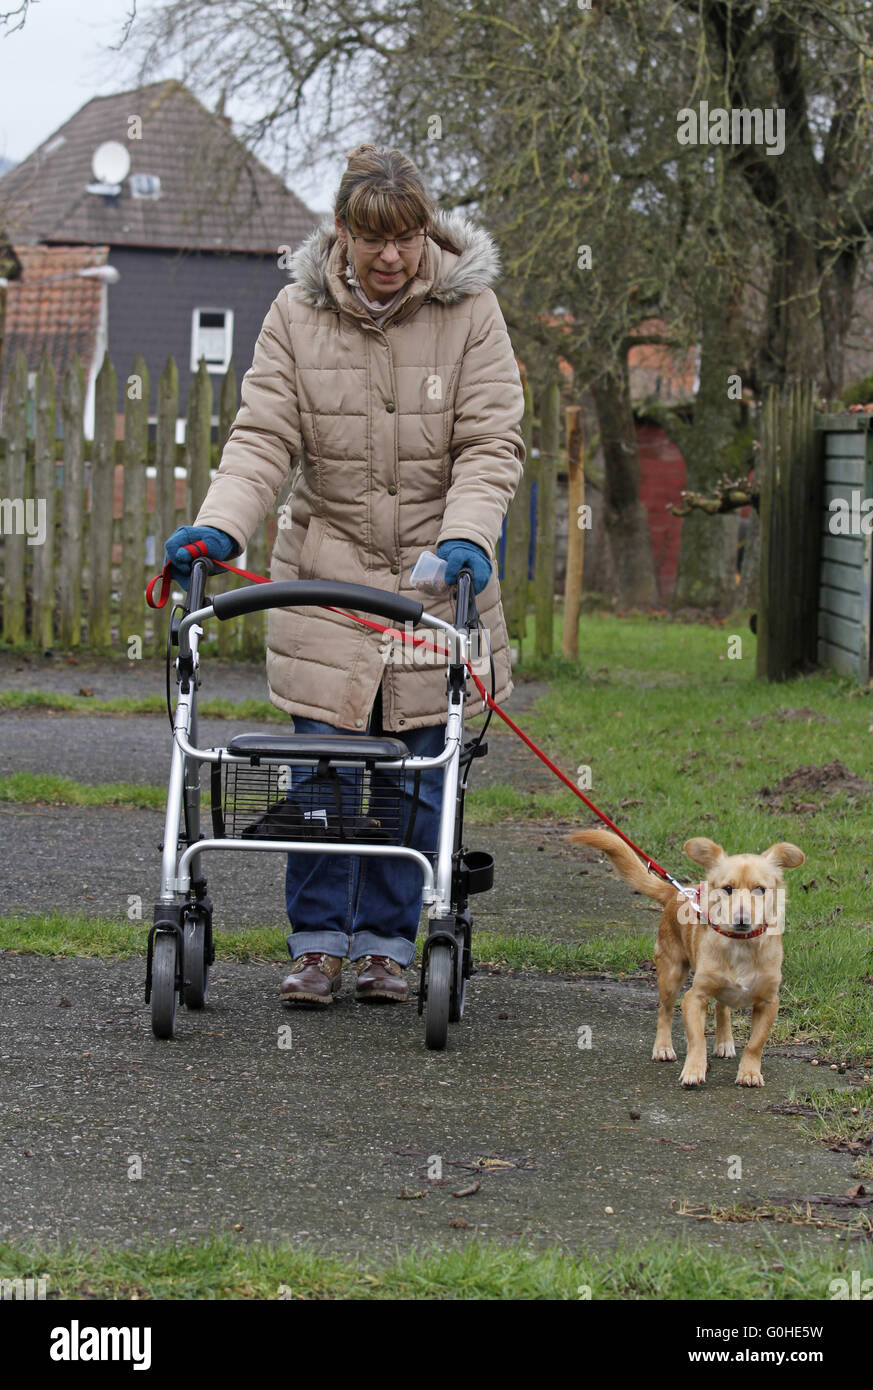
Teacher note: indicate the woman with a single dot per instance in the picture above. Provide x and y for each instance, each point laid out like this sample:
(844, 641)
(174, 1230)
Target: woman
(387, 361)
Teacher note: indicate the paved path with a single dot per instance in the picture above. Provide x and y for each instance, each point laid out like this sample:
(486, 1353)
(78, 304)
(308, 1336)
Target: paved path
(318, 1140)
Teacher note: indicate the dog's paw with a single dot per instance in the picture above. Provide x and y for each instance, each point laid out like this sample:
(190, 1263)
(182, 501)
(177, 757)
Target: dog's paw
(663, 1054)
(749, 1077)
(725, 1049)
(692, 1075)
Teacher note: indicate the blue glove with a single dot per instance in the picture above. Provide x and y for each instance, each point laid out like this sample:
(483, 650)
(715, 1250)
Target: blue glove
(459, 553)
(220, 546)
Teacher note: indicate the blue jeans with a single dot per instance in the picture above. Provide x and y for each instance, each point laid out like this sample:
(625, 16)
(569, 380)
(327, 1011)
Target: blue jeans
(367, 905)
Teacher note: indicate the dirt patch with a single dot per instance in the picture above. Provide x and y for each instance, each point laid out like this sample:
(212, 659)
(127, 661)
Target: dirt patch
(824, 782)
(804, 715)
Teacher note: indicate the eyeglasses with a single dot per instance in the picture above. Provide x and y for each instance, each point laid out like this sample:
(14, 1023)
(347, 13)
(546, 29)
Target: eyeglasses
(409, 241)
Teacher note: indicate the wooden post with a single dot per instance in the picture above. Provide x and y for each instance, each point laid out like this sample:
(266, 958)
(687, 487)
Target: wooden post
(515, 561)
(73, 505)
(133, 517)
(791, 489)
(102, 514)
(198, 435)
(42, 627)
(575, 531)
(544, 567)
(163, 521)
(228, 633)
(254, 629)
(14, 503)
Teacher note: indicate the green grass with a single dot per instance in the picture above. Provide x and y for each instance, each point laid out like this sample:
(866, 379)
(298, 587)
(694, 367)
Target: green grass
(43, 788)
(76, 935)
(243, 710)
(661, 715)
(488, 806)
(497, 803)
(834, 1115)
(226, 1267)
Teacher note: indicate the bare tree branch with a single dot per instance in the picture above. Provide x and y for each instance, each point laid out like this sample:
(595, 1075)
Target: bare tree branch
(23, 9)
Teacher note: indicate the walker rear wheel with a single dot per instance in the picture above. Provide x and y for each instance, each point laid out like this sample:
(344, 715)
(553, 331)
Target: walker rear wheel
(460, 995)
(196, 985)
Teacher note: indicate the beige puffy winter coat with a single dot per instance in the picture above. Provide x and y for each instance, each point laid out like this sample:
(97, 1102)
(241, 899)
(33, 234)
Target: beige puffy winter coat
(410, 437)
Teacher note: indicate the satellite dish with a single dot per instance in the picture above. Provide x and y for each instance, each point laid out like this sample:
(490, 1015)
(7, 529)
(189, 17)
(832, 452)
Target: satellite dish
(110, 162)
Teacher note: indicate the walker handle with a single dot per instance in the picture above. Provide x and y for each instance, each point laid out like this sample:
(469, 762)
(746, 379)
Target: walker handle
(290, 593)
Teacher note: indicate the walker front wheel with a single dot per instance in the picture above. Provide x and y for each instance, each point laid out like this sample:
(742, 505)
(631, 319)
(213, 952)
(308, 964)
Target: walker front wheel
(439, 996)
(163, 997)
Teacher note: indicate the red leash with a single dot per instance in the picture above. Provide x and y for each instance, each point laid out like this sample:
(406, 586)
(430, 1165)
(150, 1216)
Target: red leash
(198, 548)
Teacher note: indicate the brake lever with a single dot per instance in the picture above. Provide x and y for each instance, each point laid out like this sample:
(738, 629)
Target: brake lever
(466, 612)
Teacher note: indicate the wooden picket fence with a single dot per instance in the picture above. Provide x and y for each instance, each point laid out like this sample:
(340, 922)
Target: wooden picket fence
(108, 505)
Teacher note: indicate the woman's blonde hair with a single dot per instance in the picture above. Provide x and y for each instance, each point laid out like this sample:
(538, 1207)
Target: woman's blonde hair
(381, 191)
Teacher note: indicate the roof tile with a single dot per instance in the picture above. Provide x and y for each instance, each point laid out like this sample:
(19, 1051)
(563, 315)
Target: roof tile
(215, 194)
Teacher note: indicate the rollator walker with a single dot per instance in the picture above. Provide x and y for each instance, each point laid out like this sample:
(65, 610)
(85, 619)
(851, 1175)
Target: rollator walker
(303, 794)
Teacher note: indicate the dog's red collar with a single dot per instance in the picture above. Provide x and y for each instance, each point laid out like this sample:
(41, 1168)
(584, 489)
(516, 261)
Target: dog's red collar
(697, 894)
(740, 935)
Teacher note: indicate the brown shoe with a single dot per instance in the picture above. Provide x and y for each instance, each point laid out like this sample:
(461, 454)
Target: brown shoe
(379, 977)
(314, 978)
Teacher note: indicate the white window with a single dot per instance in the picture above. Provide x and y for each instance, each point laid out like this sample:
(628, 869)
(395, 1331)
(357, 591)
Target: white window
(145, 186)
(212, 338)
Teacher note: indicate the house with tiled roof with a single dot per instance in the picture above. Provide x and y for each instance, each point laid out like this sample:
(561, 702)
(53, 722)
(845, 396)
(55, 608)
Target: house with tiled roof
(144, 226)
(59, 305)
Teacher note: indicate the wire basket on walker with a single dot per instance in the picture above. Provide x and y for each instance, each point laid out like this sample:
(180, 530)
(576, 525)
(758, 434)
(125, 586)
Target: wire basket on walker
(300, 793)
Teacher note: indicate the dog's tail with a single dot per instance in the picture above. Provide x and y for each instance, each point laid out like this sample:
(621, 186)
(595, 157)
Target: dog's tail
(628, 865)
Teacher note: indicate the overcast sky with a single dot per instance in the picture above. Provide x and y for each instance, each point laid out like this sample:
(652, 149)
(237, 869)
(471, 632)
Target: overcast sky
(61, 59)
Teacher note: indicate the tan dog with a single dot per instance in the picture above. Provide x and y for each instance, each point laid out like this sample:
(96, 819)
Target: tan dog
(736, 954)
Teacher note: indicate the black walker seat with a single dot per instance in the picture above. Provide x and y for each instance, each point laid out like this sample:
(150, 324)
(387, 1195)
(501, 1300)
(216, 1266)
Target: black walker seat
(316, 746)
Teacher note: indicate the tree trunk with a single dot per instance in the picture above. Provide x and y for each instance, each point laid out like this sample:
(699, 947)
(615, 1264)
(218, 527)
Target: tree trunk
(707, 556)
(793, 347)
(837, 297)
(626, 520)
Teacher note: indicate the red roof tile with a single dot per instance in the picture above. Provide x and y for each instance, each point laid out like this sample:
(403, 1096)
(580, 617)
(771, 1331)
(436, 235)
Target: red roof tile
(60, 316)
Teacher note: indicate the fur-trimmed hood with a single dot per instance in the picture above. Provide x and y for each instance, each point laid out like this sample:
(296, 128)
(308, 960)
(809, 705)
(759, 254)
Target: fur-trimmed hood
(461, 260)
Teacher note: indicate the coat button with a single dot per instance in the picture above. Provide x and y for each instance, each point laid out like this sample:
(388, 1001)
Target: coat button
(392, 489)
(395, 569)
(390, 407)
(359, 723)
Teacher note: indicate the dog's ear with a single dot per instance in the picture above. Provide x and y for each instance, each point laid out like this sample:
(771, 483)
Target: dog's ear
(787, 856)
(705, 852)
